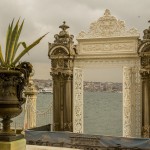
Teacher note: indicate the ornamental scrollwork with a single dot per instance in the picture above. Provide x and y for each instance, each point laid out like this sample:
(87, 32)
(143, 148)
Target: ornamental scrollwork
(108, 47)
(78, 101)
(107, 26)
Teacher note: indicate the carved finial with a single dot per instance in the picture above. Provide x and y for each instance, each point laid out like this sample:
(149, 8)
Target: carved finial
(63, 37)
(107, 12)
(64, 26)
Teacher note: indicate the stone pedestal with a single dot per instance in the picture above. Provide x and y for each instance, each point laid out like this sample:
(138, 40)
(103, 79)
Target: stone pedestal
(13, 145)
(62, 104)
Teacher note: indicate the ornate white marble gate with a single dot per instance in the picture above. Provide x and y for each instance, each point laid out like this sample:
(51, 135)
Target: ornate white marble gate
(109, 42)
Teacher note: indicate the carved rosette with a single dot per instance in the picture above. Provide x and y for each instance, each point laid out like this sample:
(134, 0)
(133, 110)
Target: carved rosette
(78, 100)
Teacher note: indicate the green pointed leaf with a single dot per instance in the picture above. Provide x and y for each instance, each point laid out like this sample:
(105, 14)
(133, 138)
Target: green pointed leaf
(16, 42)
(24, 45)
(1, 57)
(28, 48)
(21, 43)
(8, 40)
(12, 43)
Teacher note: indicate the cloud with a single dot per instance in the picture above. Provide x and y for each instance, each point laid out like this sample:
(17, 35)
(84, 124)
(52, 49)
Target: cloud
(46, 16)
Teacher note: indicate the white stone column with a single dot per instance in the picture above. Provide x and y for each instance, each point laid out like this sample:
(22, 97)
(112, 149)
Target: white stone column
(131, 102)
(127, 102)
(30, 105)
(137, 91)
(78, 100)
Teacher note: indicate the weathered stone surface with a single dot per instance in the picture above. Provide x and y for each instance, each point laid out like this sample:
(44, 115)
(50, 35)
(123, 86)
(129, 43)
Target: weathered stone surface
(14, 145)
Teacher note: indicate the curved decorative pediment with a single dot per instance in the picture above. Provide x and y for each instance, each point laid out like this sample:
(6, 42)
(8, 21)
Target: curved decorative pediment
(144, 45)
(59, 51)
(107, 26)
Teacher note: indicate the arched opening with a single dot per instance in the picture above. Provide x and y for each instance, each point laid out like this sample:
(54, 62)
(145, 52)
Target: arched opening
(103, 101)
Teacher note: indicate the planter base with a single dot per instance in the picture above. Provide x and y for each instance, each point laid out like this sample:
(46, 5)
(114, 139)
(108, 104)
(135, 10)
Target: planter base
(14, 145)
(11, 138)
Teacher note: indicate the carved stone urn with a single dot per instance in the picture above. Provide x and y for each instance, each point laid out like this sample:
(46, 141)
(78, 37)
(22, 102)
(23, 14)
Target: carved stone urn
(12, 83)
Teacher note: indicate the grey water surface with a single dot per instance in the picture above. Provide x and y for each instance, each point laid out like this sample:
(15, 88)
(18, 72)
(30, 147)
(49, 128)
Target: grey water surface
(102, 112)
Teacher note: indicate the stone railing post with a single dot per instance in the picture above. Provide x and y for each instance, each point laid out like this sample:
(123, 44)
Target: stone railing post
(30, 105)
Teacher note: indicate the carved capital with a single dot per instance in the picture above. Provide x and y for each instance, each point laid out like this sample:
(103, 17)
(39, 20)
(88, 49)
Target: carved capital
(145, 74)
(62, 75)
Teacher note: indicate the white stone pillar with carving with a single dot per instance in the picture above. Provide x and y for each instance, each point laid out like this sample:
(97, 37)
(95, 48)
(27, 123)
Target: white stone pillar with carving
(30, 105)
(131, 102)
(78, 100)
(127, 104)
(137, 91)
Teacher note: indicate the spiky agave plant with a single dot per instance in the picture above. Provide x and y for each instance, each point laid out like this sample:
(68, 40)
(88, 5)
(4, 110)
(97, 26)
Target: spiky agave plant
(13, 44)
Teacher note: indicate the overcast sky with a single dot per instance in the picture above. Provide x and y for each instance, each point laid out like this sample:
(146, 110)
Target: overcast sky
(42, 16)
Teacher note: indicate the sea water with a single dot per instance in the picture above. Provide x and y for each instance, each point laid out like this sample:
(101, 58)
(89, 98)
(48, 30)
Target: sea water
(102, 112)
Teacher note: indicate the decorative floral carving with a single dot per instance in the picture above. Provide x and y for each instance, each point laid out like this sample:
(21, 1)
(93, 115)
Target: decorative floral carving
(78, 101)
(108, 26)
(127, 92)
(137, 93)
(131, 93)
(110, 47)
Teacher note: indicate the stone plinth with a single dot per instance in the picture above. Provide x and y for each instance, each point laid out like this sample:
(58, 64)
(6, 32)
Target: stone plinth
(14, 145)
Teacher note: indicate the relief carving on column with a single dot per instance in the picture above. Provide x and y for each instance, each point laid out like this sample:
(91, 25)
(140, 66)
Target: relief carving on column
(78, 101)
(131, 101)
(138, 95)
(127, 120)
(107, 26)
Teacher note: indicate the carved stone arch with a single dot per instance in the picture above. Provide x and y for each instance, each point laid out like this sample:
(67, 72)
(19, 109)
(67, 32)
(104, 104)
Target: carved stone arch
(59, 51)
(109, 42)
